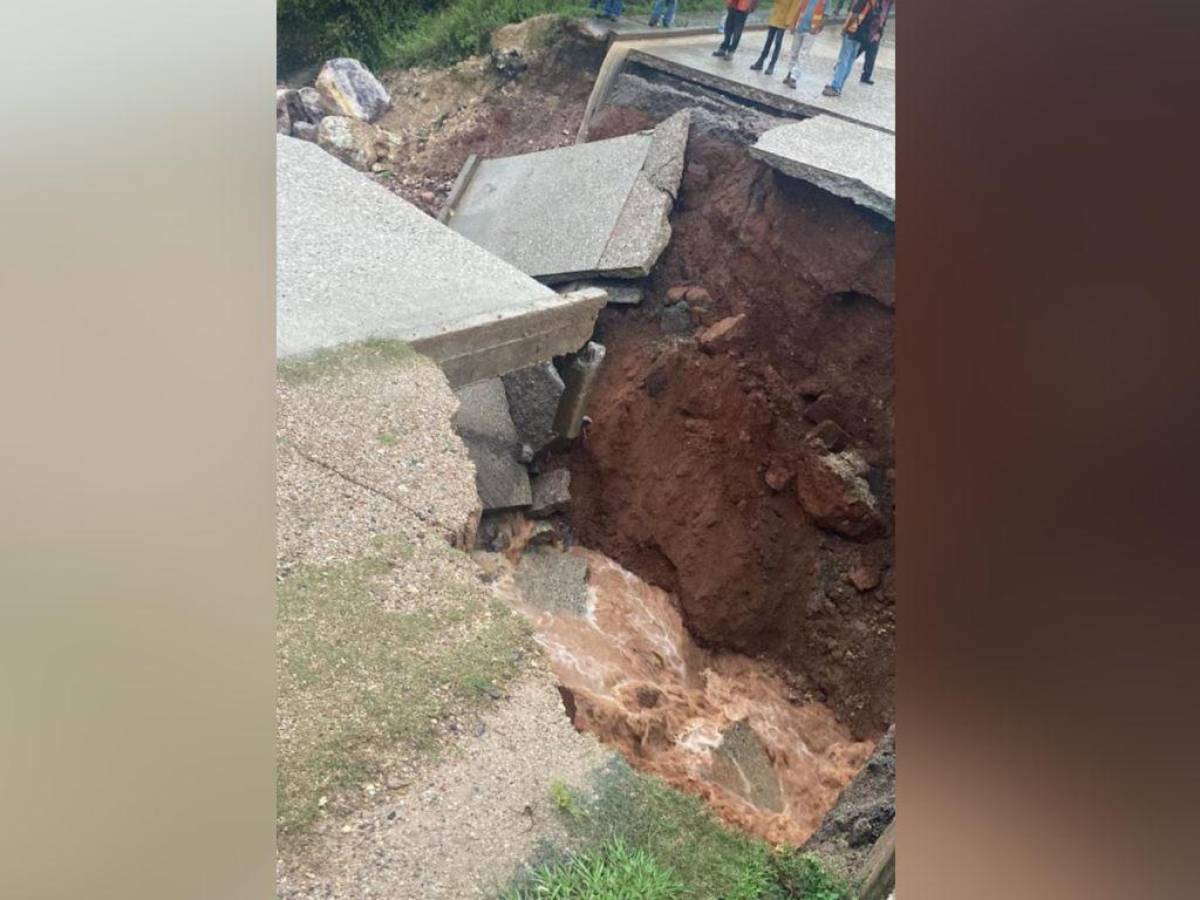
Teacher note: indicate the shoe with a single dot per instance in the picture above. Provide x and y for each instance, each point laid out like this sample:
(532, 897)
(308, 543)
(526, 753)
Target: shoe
(652, 22)
(757, 67)
(789, 81)
(720, 53)
(866, 81)
(771, 69)
(830, 91)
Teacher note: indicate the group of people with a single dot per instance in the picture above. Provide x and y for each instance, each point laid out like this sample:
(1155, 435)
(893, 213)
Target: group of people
(861, 33)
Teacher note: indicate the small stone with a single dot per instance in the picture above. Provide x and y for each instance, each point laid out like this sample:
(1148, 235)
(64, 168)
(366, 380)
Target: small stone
(677, 293)
(676, 319)
(864, 577)
(533, 395)
(722, 334)
(777, 476)
(480, 730)
(283, 121)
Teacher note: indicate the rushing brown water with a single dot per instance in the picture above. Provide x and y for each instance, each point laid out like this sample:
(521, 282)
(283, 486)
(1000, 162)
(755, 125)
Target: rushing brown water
(719, 725)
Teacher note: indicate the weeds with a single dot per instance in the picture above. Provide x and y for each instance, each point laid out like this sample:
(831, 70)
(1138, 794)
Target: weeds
(614, 872)
(677, 836)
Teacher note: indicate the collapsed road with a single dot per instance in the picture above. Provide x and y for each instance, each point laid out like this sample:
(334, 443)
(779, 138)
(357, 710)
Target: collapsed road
(672, 348)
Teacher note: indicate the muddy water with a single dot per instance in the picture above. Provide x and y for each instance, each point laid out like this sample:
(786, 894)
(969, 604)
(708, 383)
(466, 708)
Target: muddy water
(719, 725)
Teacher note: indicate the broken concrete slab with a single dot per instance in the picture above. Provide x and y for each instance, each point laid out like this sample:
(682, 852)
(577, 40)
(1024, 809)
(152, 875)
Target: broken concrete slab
(485, 426)
(590, 209)
(843, 158)
(354, 262)
(741, 764)
(552, 580)
(551, 493)
(533, 396)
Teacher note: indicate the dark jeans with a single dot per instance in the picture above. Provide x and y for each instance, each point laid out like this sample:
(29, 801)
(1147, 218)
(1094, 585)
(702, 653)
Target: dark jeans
(774, 39)
(869, 62)
(735, 21)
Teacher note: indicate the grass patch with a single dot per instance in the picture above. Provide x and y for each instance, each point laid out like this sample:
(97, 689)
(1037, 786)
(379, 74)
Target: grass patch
(681, 838)
(372, 353)
(614, 872)
(358, 684)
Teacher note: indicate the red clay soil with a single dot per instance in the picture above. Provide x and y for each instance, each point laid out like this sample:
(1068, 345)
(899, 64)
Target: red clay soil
(706, 471)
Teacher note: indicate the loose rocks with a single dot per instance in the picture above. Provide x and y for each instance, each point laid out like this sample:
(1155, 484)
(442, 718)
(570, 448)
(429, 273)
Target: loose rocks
(349, 87)
(350, 140)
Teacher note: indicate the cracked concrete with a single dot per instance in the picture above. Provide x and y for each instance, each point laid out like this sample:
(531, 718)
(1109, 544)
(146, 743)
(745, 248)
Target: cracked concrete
(838, 156)
(571, 212)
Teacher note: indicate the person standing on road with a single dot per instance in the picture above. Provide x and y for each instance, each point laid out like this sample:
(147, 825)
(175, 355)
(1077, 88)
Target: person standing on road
(873, 34)
(784, 16)
(852, 34)
(664, 11)
(735, 21)
(612, 10)
(810, 20)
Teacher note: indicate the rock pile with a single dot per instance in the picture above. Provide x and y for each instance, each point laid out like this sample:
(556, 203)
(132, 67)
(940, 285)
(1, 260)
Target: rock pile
(336, 113)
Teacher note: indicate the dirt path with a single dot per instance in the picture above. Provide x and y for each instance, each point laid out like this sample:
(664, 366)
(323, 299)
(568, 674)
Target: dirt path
(465, 827)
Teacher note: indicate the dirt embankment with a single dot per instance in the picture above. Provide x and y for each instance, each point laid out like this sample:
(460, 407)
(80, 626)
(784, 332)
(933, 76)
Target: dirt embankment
(530, 100)
(750, 472)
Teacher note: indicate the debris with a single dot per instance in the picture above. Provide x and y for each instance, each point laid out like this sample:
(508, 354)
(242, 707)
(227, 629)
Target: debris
(551, 493)
(864, 577)
(777, 476)
(305, 131)
(719, 336)
(830, 435)
(588, 209)
(581, 377)
(484, 424)
(832, 490)
(534, 393)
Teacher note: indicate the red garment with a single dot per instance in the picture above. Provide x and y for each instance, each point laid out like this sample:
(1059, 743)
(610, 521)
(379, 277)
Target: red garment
(745, 6)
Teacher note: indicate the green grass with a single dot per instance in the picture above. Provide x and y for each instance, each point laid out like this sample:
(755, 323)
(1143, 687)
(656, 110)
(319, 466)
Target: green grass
(371, 353)
(359, 684)
(614, 872)
(387, 33)
(680, 838)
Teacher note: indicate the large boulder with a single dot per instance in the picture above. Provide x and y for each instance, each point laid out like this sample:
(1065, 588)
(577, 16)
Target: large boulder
(831, 488)
(353, 141)
(351, 90)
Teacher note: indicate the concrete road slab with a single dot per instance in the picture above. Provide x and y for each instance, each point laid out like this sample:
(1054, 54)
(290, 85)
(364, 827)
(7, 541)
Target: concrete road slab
(354, 261)
(691, 58)
(591, 209)
(841, 157)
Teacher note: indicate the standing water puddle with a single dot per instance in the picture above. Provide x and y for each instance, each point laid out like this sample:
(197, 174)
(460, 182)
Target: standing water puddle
(720, 725)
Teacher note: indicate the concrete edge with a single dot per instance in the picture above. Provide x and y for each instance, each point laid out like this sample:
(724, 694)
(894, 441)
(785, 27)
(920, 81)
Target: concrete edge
(491, 349)
(465, 174)
(858, 192)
